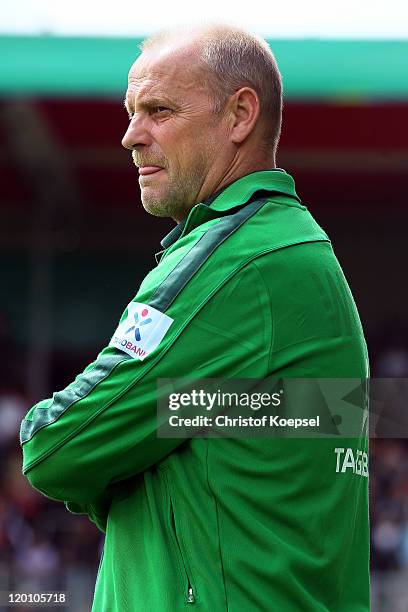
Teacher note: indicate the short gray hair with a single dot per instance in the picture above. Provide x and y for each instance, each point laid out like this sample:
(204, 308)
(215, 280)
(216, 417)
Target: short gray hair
(233, 58)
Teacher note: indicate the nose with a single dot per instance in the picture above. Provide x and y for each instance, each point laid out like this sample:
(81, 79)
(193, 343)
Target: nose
(136, 135)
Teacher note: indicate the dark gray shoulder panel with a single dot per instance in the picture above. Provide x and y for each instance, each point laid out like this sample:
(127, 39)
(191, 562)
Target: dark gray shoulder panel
(169, 289)
(62, 400)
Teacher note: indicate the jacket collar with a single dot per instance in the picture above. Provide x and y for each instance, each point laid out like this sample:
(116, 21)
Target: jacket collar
(234, 196)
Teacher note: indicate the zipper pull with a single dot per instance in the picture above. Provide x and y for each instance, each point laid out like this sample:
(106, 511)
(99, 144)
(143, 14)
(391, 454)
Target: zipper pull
(190, 597)
(157, 256)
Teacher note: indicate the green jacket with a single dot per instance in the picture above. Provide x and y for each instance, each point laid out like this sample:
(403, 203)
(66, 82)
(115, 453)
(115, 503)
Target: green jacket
(249, 287)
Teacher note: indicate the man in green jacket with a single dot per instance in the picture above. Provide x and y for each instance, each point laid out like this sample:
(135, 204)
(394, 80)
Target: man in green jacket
(247, 287)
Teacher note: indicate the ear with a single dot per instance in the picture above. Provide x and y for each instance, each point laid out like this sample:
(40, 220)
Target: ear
(244, 113)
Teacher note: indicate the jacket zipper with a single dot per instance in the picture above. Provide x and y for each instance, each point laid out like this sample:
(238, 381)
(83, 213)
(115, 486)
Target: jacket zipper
(190, 598)
(190, 591)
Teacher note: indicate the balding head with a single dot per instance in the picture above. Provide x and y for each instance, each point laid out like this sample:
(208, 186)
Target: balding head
(231, 58)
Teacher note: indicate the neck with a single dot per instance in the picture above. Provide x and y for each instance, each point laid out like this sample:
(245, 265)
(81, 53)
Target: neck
(237, 169)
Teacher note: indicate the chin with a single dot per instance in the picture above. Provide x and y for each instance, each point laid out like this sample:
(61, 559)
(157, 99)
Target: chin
(155, 207)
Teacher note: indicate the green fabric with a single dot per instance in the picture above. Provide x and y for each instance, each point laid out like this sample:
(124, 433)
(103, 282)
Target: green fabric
(221, 524)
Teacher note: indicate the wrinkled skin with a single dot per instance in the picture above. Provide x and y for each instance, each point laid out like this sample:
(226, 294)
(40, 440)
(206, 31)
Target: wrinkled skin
(173, 127)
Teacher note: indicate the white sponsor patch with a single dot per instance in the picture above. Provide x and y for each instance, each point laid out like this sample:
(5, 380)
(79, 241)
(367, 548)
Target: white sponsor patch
(141, 331)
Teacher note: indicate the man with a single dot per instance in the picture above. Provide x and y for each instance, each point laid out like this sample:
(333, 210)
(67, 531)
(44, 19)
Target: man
(247, 287)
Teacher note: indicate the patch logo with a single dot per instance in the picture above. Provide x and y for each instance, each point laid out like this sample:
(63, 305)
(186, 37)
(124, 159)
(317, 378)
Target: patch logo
(141, 331)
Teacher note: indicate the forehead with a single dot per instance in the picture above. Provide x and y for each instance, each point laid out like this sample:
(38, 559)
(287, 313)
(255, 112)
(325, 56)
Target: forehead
(168, 71)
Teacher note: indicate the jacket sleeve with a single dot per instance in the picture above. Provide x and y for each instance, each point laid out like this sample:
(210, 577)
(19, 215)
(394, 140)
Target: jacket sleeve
(101, 429)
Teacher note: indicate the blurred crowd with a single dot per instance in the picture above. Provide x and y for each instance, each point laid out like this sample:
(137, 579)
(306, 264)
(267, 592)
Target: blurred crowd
(388, 349)
(43, 547)
(389, 503)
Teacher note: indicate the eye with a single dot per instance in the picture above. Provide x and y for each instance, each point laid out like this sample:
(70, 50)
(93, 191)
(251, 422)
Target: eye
(159, 110)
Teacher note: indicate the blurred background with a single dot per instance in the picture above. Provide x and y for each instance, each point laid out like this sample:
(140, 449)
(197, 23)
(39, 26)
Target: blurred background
(75, 241)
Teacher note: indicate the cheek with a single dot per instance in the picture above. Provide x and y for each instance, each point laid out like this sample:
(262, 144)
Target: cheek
(185, 148)
(181, 153)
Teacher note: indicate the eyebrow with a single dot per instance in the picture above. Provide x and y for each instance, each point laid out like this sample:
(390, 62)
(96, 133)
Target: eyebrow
(148, 102)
